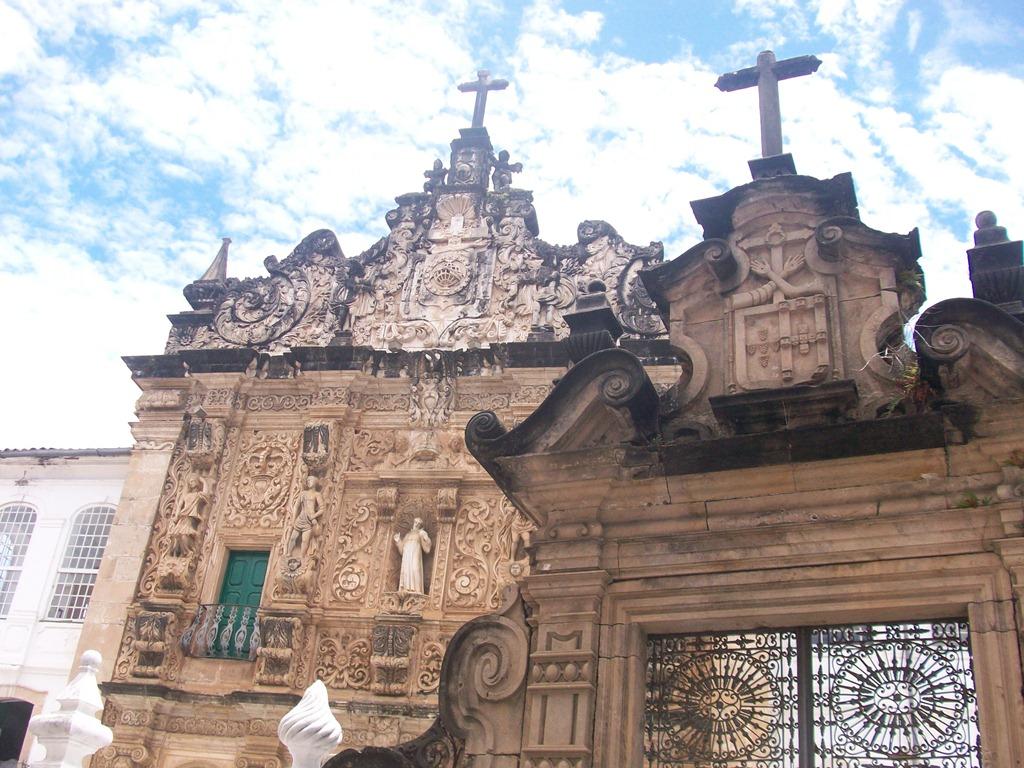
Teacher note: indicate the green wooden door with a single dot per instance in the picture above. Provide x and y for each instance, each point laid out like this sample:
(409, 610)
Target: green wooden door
(239, 598)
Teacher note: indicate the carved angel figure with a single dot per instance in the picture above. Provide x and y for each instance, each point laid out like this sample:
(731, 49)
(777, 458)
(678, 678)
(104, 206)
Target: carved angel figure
(307, 519)
(188, 516)
(434, 177)
(412, 546)
(501, 178)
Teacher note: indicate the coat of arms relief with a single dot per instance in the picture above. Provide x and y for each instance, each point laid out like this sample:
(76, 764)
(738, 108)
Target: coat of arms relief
(779, 330)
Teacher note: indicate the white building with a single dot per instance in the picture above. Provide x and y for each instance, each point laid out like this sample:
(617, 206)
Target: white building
(56, 508)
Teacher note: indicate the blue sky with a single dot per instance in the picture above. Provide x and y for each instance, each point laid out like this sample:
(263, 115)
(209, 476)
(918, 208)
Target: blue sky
(133, 135)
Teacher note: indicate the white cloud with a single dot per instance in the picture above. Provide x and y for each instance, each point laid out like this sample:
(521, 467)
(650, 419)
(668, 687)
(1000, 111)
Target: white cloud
(263, 121)
(20, 47)
(914, 23)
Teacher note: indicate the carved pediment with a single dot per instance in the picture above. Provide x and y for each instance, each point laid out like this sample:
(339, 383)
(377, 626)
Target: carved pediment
(785, 294)
(606, 399)
(461, 267)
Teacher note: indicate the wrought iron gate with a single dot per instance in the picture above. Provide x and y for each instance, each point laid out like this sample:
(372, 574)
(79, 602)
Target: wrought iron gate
(858, 696)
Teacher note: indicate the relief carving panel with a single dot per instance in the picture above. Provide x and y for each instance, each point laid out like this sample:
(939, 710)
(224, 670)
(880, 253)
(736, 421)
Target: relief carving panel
(343, 660)
(262, 480)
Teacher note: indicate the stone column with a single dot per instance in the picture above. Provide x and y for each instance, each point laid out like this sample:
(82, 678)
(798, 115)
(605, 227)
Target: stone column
(562, 676)
(155, 435)
(447, 505)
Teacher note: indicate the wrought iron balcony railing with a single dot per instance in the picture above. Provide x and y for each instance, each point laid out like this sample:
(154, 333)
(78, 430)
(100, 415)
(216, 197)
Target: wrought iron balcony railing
(223, 632)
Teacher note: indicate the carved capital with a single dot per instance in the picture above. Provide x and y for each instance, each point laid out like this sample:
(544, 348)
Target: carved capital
(316, 446)
(387, 501)
(153, 643)
(447, 502)
(279, 636)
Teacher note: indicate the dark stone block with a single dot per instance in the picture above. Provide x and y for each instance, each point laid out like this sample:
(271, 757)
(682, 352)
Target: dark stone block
(785, 408)
(218, 360)
(155, 366)
(817, 443)
(651, 351)
(535, 354)
(770, 167)
(329, 358)
(863, 438)
(689, 458)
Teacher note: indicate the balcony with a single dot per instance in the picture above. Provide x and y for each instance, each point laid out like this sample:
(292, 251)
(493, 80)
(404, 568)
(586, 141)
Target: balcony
(223, 632)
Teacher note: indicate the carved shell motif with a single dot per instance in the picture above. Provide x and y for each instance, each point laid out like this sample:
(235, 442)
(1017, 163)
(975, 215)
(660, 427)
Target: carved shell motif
(456, 212)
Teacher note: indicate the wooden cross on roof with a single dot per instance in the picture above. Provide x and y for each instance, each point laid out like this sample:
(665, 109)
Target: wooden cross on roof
(481, 86)
(766, 76)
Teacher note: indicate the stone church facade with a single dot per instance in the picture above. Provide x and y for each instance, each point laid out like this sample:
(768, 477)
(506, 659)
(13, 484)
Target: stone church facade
(532, 506)
(806, 553)
(300, 503)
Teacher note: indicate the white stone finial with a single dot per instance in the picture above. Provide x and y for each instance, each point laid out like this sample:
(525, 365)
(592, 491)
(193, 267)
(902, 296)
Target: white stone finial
(72, 733)
(309, 730)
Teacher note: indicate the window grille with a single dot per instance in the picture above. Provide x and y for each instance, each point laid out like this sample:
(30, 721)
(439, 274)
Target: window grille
(860, 696)
(77, 575)
(17, 521)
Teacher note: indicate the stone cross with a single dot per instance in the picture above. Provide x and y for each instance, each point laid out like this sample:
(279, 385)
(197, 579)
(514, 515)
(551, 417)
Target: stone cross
(766, 76)
(481, 86)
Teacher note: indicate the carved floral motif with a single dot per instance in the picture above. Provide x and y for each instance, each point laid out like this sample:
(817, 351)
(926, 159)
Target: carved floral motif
(376, 449)
(485, 556)
(354, 544)
(429, 674)
(343, 661)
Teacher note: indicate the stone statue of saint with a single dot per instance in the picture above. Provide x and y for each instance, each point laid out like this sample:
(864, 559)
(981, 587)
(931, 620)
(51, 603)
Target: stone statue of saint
(308, 509)
(188, 516)
(412, 546)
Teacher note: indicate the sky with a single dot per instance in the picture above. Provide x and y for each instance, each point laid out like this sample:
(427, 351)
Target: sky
(135, 134)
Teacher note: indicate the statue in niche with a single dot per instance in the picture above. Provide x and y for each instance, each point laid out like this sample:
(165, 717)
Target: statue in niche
(501, 178)
(188, 516)
(412, 546)
(307, 520)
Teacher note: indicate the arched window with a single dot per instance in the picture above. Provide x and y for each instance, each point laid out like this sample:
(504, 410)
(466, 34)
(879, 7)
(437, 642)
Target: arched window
(16, 524)
(78, 569)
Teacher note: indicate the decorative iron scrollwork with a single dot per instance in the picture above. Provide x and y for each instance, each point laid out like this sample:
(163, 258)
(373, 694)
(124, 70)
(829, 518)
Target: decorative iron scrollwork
(872, 696)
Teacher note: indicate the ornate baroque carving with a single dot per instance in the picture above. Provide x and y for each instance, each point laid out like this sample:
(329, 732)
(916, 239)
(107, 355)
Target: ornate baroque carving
(343, 661)
(279, 637)
(262, 481)
(155, 651)
(391, 644)
(488, 535)
(354, 545)
(429, 673)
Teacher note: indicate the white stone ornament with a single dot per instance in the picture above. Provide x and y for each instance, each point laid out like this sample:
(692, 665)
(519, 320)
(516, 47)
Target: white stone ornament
(73, 732)
(309, 730)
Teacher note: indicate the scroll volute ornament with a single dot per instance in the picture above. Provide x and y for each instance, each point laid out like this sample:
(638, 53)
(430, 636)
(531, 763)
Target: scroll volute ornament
(972, 350)
(483, 681)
